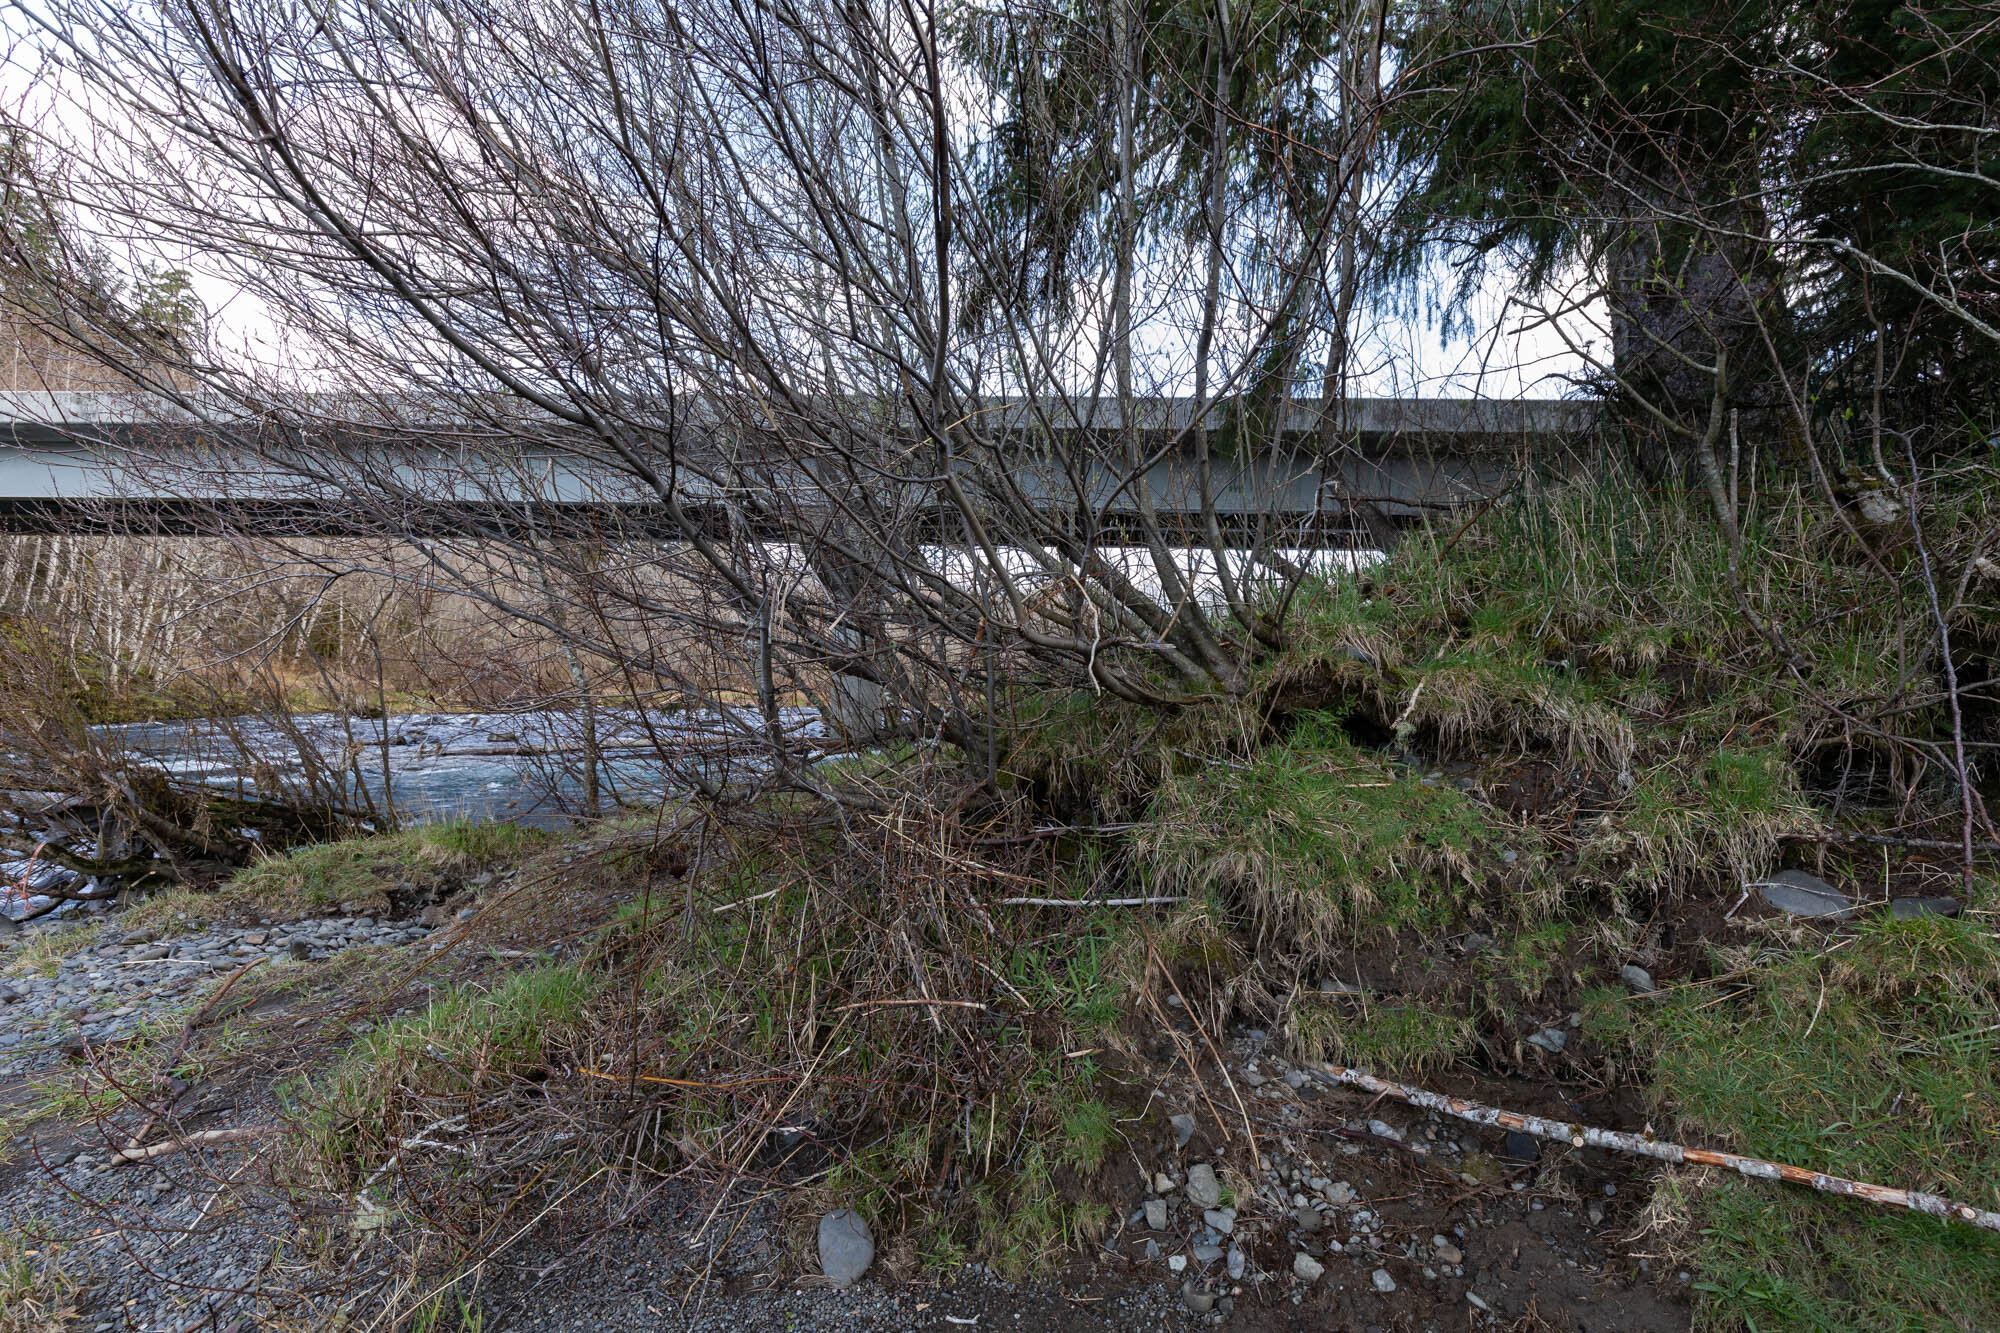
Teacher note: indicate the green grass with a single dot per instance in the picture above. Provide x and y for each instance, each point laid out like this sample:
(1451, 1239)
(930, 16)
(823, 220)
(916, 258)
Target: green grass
(1406, 1040)
(1877, 1061)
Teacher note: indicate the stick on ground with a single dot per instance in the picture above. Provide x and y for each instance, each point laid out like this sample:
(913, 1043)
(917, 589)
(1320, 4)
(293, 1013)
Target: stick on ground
(1645, 1146)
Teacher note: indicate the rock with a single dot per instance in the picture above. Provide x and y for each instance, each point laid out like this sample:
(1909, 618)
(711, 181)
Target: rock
(846, 1247)
(151, 953)
(139, 937)
(1797, 893)
(1638, 978)
(1522, 1147)
(1306, 1268)
(299, 949)
(1295, 1079)
(1383, 1282)
(1237, 1263)
(1447, 1252)
(1183, 1129)
(256, 937)
(1909, 909)
(1203, 1189)
(1201, 1302)
(1177, 1262)
(1339, 1192)
(1162, 1183)
(1551, 1040)
(1207, 1254)
(1222, 1221)
(432, 917)
(1307, 1220)
(1383, 1129)
(1253, 1078)
(1156, 1214)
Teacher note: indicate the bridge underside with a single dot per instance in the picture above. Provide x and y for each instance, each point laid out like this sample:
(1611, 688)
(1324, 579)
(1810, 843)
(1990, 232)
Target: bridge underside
(93, 463)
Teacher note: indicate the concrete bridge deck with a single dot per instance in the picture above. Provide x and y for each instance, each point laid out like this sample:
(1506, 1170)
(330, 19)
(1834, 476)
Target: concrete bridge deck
(127, 462)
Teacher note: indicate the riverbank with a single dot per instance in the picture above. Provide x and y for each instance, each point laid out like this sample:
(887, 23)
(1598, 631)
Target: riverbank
(1534, 816)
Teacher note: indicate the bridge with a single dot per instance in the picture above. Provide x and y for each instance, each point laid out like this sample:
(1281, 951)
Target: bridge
(130, 463)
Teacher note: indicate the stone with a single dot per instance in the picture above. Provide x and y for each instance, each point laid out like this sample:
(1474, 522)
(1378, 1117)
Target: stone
(150, 954)
(1796, 893)
(1909, 909)
(1636, 977)
(1447, 1253)
(1177, 1262)
(1521, 1147)
(1207, 1254)
(1237, 1263)
(846, 1246)
(1295, 1079)
(1253, 1078)
(1339, 1192)
(1162, 1183)
(299, 949)
(1306, 1268)
(1383, 1129)
(432, 917)
(1222, 1221)
(1307, 1220)
(1183, 1129)
(1383, 1282)
(1156, 1214)
(1551, 1040)
(1201, 1302)
(1203, 1189)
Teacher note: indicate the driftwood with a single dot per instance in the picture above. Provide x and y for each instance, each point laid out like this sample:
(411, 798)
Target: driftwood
(207, 1138)
(1643, 1145)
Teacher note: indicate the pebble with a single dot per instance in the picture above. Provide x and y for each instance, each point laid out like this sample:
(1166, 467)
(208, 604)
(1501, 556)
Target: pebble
(1201, 1302)
(846, 1246)
(1156, 1214)
(1306, 1268)
(1638, 978)
(1383, 1282)
(1909, 909)
(1222, 1221)
(1183, 1127)
(1551, 1040)
(1447, 1252)
(1203, 1189)
(1797, 893)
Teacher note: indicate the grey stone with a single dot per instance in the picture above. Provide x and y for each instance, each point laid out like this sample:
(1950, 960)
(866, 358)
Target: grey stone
(1222, 1221)
(1207, 1254)
(1551, 1040)
(1203, 1189)
(846, 1247)
(1306, 1268)
(1383, 1129)
(1797, 893)
(1201, 1302)
(1522, 1147)
(1307, 1220)
(1156, 1214)
(151, 953)
(1236, 1263)
(1383, 1282)
(1447, 1252)
(1909, 909)
(1339, 1192)
(1638, 978)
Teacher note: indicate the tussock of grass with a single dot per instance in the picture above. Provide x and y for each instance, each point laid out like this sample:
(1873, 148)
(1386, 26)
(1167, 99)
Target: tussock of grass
(1327, 843)
(321, 876)
(43, 953)
(1877, 1061)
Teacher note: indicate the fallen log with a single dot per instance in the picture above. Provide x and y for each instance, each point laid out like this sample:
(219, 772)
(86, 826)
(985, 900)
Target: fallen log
(1644, 1145)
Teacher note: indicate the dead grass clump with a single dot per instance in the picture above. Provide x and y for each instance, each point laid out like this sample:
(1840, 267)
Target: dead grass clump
(38, 1293)
(839, 1002)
